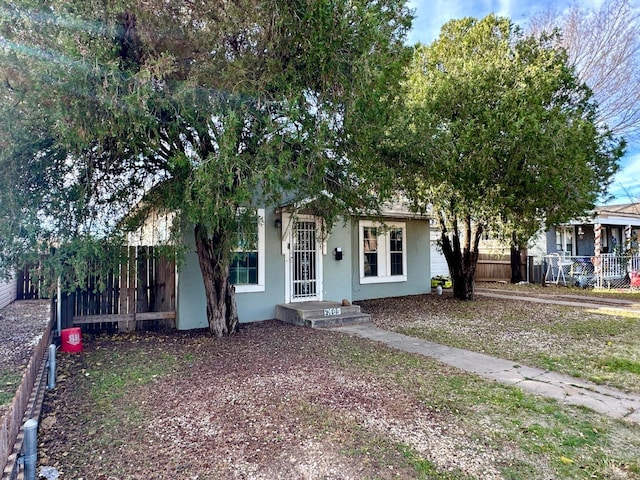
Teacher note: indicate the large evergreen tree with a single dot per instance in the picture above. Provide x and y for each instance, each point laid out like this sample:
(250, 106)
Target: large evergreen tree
(206, 109)
(499, 136)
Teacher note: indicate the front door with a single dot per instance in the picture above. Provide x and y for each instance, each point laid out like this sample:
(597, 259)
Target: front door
(305, 262)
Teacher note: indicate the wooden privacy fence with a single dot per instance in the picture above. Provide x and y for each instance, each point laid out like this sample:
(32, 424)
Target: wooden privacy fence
(141, 288)
(31, 283)
(494, 268)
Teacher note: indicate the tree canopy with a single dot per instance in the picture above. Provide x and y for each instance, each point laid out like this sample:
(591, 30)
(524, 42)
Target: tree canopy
(202, 108)
(499, 136)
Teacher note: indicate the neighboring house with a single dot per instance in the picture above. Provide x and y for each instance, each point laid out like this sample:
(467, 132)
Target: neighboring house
(8, 292)
(361, 258)
(564, 252)
(607, 229)
(600, 250)
(439, 265)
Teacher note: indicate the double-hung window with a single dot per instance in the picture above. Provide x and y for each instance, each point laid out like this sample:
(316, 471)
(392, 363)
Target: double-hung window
(564, 240)
(246, 270)
(383, 252)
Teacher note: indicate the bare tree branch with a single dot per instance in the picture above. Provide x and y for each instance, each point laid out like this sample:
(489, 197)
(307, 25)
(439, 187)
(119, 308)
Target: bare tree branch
(604, 46)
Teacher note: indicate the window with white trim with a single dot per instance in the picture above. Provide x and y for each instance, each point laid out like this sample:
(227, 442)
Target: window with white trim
(564, 240)
(383, 252)
(246, 270)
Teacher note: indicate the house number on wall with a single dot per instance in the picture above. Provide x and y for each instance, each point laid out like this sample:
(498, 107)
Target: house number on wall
(330, 312)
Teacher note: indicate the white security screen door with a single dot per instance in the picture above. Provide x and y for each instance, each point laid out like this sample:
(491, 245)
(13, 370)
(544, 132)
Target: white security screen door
(306, 270)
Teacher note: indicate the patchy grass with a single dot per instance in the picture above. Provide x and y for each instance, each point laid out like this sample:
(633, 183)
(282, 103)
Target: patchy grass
(9, 382)
(113, 373)
(561, 290)
(620, 365)
(278, 401)
(595, 345)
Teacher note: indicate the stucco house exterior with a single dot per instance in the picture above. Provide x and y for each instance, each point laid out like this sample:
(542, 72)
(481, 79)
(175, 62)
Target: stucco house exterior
(292, 263)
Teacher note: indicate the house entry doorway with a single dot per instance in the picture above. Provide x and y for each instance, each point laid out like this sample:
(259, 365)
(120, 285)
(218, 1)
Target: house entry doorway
(305, 261)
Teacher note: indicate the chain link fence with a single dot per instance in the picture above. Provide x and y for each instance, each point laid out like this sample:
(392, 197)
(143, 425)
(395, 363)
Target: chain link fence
(605, 271)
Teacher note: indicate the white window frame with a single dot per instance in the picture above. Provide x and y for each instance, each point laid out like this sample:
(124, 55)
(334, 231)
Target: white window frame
(384, 252)
(260, 286)
(562, 234)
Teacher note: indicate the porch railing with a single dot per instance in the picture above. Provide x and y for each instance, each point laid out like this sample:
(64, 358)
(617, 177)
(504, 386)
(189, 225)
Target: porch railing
(602, 271)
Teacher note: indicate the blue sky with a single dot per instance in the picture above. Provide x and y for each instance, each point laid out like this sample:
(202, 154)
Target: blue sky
(432, 14)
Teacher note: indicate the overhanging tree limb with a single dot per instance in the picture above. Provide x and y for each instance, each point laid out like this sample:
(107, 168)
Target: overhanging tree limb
(203, 108)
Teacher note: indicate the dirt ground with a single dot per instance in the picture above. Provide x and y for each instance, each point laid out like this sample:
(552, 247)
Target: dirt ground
(273, 402)
(21, 326)
(282, 402)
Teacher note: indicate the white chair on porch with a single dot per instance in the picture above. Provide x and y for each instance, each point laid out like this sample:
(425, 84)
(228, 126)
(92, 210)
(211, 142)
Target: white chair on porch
(557, 264)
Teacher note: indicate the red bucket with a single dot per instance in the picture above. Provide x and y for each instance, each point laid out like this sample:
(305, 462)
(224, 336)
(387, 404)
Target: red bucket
(71, 340)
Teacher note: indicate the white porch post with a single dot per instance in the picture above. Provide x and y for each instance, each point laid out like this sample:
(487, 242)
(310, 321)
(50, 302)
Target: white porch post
(597, 262)
(627, 247)
(597, 230)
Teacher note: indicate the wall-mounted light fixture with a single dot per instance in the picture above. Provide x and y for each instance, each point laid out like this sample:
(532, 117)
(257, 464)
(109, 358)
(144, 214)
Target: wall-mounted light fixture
(337, 252)
(278, 223)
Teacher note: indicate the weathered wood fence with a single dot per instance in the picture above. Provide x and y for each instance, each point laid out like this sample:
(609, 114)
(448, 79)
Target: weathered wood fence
(497, 268)
(141, 288)
(31, 283)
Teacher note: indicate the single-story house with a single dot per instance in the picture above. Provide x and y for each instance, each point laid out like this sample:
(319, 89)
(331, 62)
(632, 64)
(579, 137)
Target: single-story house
(607, 229)
(361, 258)
(600, 249)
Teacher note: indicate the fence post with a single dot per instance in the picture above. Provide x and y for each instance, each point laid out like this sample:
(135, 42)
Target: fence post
(30, 448)
(51, 384)
(59, 307)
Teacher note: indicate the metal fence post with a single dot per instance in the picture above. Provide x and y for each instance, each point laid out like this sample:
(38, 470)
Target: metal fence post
(51, 384)
(30, 448)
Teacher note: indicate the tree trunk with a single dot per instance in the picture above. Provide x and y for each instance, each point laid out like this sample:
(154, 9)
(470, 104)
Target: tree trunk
(462, 261)
(516, 270)
(463, 271)
(220, 294)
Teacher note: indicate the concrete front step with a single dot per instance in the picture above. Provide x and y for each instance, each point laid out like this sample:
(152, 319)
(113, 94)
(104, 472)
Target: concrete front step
(338, 320)
(321, 314)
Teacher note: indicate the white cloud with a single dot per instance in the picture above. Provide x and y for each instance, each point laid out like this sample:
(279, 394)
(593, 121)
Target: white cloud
(505, 8)
(626, 185)
(431, 15)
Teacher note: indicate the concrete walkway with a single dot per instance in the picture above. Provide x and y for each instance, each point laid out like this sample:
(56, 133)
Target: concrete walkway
(565, 389)
(604, 305)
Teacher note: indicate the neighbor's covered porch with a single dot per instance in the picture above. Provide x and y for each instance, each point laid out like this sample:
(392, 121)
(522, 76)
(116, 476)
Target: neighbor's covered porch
(595, 254)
